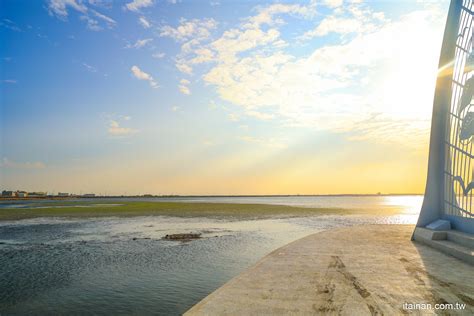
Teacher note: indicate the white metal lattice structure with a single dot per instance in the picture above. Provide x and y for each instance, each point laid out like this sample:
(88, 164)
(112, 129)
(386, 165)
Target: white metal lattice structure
(459, 164)
(450, 184)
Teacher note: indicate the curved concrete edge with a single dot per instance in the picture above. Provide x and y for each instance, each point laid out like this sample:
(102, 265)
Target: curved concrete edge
(235, 280)
(357, 270)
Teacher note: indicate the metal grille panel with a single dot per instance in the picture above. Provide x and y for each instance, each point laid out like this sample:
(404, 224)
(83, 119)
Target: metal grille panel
(459, 164)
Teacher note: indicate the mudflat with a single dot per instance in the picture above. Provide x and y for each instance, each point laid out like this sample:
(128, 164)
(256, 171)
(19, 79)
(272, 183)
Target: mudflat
(177, 209)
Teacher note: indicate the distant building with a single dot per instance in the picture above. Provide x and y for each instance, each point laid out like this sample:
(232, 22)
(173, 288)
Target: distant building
(8, 193)
(37, 194)
(88, 195)
(62, 194)
(21, 194)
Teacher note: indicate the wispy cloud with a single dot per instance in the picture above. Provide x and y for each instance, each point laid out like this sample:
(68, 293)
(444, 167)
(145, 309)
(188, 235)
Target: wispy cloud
(115, 129)
(332, 3)
(353, 20)
(137, 5)
(260, 115)
(233, 117)
(10, 164)
(9, 24)
(89, 67)
(10, 81)
(262, 141)
(59, 8)
(140, 43)
(144, 22)
(183, 86)
(110, 22)
(141, 75)
(158, 55)
(92, 18)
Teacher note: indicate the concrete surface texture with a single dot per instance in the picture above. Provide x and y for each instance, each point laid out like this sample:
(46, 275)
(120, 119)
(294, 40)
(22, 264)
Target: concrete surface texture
(363, 270)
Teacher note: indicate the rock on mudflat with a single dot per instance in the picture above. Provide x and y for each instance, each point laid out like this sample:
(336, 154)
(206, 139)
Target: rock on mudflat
(184, 237)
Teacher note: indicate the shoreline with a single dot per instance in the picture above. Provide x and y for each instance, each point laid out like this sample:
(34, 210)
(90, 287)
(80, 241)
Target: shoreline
(199, 196)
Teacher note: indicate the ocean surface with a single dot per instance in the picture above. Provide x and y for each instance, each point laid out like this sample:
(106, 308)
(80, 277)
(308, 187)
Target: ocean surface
(122, 266)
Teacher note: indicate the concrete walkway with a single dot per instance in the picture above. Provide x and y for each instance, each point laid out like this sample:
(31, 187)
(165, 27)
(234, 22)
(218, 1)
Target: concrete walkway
(360, 270)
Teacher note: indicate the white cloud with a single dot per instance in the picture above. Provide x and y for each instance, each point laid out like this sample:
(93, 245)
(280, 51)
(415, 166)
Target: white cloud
(116, 130)
(137, 5)
(9, 24)
(139, 43)
(191, 33)
(141, 75)
(89, 67)
(184, 90)
(158, 55)
(184, 68)
(183, 86)
(92, 24)
(260, 115)
(267, 14)
(144, 22)
(353, 19)
(332, 3)
(338, 88)
(250, 35)
(59, 7)
(187, 29)
(339, 25)
(110, 22)
(10, 164)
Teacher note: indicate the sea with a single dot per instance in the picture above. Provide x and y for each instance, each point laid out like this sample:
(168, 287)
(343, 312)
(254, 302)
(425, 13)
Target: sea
(122, 266)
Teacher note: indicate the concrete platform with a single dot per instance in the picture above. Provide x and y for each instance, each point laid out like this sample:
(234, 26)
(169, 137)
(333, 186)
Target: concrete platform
(363, 270)
(454, 243)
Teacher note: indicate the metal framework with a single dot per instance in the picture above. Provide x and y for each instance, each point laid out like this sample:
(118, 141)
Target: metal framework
(459, 168)
(450, 184)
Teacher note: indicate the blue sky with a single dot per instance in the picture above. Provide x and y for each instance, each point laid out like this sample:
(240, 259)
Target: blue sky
(197, 97)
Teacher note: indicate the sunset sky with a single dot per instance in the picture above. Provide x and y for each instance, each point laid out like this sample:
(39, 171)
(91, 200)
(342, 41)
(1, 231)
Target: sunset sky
(217, 97)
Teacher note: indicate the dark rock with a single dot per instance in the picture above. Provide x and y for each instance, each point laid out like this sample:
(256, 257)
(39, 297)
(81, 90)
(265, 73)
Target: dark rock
(182, 237)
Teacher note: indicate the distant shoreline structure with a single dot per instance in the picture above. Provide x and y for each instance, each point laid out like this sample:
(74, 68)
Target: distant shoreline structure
(72, 197)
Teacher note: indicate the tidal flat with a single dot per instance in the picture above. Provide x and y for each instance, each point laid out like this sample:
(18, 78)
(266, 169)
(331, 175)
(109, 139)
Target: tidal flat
(83, 209)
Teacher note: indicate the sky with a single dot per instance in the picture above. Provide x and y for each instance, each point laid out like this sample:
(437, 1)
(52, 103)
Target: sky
(217, 97)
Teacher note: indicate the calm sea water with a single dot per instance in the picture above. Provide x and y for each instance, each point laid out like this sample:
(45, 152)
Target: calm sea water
(122, 266)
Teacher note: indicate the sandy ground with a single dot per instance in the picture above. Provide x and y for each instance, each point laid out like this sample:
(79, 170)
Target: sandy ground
(363, 270)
